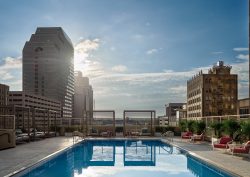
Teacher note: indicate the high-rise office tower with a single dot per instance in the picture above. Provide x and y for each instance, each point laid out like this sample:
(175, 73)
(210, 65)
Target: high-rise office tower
(213, 94)
(83, 98)
(48, 66)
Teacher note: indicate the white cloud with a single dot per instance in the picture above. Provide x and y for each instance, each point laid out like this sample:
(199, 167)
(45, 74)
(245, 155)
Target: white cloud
(217, 52)
(84, 62)
(11, 63)
(138, 36)
(151, 51)
(112, 48)
(243, 57)
(119, 68)
(240, 49)
(10, 72)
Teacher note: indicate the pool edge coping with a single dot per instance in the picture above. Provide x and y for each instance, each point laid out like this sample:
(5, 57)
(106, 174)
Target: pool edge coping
(43, 160)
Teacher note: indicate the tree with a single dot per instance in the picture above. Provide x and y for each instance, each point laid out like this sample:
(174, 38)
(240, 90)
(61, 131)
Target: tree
(245, 128)
(230, 126)
(199, 126)
(217, 126)
(183, 125)
(190, 125)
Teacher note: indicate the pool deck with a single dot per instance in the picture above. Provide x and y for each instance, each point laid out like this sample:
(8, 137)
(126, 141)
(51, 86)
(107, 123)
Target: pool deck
(239, 165)
(25, 155)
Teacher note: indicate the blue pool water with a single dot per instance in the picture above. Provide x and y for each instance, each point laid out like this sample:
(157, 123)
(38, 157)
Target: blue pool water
(123, 158)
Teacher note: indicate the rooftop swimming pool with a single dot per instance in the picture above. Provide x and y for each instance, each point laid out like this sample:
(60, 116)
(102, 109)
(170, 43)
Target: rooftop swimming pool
(122, 158)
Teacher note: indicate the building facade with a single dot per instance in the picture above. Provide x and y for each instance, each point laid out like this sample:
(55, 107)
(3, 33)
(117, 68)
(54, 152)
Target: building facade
(24, 99)
(181, 113)
(213, 94)
(4, 94)
(243, 107)
(83, 97)
(163, 121)
(48, 67)
(171, 112)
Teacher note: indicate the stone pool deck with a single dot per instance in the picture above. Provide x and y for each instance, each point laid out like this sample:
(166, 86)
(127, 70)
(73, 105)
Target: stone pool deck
(24, 155)
(27, 154)
(239, 165)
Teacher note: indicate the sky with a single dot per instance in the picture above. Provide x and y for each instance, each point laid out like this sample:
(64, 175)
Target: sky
(138, 54)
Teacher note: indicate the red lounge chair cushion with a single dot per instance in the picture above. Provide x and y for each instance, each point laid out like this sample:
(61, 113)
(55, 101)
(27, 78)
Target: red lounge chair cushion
(225, 140)
(240, 150)
(187, 135)
(222, 146)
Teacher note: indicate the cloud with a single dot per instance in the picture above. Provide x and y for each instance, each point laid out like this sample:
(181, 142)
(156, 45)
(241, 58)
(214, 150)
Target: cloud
(10, 72)
(138, 36)
(119, 68)
(151, 51)
(218, 52)
(240, 49)
(11, 63)
(112, 48)
(84, 61)
(243, 57)
(86, 46)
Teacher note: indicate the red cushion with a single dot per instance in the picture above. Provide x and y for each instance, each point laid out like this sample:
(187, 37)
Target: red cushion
(225, 140)
(240, 150)
(189, 133)
(186, 137)
(222, 146)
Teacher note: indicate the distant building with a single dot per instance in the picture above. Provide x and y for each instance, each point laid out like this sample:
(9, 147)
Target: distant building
(243, 107)
(212, 94)
(171, 112)
(181, 113)
(48, 66)
(24, 99)
(83, 97)
(4, 93)
(163, 121)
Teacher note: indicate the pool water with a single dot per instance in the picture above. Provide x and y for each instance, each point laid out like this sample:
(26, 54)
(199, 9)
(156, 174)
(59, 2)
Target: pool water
(124, 158)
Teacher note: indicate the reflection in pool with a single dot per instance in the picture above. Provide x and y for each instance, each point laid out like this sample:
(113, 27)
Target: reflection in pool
(123, 158)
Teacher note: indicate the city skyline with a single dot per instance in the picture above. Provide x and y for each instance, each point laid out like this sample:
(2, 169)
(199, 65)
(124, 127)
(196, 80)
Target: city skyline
(137, 54)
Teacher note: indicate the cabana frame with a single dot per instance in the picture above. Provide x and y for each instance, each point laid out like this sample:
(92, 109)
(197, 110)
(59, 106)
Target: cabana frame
(152, 119)
(89, 120)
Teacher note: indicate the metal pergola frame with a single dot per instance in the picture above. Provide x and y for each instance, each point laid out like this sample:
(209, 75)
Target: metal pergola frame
(152, 121)
(90, 119)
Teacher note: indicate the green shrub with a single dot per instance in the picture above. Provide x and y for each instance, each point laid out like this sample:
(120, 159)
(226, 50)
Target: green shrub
(217, 126)
(245, 129)
(230, 126)
(199, 126)
(159, 129)
(191, 125)
(119, 129)
(183, 125)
